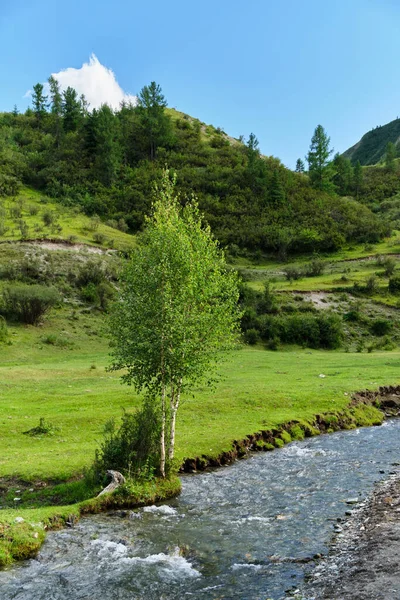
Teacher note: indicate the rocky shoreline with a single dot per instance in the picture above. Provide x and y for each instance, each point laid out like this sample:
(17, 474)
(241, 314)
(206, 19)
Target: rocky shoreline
(364, 563)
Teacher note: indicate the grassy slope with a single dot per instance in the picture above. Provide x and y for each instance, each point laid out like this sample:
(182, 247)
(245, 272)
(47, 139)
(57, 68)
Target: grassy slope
(342, 270)
(73, 223)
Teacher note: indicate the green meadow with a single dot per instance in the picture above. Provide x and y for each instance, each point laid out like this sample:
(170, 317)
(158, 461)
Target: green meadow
(72, 390)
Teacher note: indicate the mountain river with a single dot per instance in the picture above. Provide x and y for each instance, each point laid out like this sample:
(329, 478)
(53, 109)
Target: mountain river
(239, 532)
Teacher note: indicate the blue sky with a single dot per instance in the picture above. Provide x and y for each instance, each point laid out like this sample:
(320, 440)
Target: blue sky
(275, 68)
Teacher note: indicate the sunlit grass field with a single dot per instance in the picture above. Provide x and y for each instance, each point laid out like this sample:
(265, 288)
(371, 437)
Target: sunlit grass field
(72, 390)
(70, 224)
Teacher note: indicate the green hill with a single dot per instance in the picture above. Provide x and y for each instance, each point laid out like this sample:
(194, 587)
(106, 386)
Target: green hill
(372, 146)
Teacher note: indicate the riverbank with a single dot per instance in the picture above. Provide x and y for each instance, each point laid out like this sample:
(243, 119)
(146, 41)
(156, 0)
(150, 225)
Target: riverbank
(22, 531)
(365, 559)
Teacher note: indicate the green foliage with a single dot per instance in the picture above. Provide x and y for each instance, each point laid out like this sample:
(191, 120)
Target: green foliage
(28, 303)
(381, 326)
(134, 447)
(251, 336)
(3, 331)
(177, 309)
(314, 268)
(319, 168)
(394, 284)
(390, 156)
(104, 162)
(372, 146)
(44, 428)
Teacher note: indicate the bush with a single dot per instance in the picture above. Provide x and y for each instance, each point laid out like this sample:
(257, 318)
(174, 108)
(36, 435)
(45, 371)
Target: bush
(3, 331)
(49, 217)
(322, 330)
(91, 272)
(381, 327)
(105, 293)
(29, 303)
(134, 448)
(99, 238)
(314, 268)
(251, 336)
(292, 273)
(394, 284)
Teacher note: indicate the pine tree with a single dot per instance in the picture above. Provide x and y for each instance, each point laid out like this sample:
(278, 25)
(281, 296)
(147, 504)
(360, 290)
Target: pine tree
(39, 102)
(107, 148)
(156, 126)
(300, 167)
(277, 192)
(56, 107)
(343, 177)
(71, 109)
(390, 157)
(357, 178)
(319, 167)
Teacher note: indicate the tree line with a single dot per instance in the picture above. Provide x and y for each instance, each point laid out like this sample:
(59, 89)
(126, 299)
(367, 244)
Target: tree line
(105, 162)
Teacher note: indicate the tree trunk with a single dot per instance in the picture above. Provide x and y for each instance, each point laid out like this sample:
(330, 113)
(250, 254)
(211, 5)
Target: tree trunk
(162, 437)
(174, 409)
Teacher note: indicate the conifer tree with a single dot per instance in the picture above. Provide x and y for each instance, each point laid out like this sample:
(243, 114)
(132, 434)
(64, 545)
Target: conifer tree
(39, 102)
(357, 178)
(390, 156)
(71, 109)
(156, 127)
(56, 107)
(319, 167)
(300, 167)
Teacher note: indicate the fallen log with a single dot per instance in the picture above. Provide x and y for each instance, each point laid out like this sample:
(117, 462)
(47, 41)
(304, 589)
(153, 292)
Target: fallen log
(117, 479)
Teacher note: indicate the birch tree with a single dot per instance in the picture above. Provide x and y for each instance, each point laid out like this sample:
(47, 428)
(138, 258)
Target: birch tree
(177, 312)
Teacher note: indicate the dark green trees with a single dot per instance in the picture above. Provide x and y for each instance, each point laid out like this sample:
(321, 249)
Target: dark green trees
(39, 102)
(300, 167)
(357, 178)
(319, 167)
(156, 126)
(71, 109)
(390, 157)
(343, 177)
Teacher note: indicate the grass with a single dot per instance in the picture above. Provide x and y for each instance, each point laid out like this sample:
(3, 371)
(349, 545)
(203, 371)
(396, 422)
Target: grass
(72, 391)
(54, 381)
(69, 223)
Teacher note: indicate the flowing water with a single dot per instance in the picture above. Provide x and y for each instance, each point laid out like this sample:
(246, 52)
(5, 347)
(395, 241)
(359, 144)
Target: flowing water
(235, 533)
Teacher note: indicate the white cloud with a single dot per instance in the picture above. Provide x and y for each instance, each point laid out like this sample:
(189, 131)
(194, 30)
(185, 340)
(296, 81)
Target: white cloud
(97, 82)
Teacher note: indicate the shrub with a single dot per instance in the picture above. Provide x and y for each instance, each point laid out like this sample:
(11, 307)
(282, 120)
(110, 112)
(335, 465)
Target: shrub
(3, 330)
(251, 336)
(105, 293)
(381, 327)
(94, 223)
(292, 273)
(314, 268)
(133, 449)
(3, 228)
(394, 284)
(91, 272)
(29, 303)
(389, 265)
(89, 293)
(49, 217)
(99, 237)
(33, 210)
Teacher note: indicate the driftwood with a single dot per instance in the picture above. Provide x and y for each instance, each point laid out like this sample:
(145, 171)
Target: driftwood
(116, 480)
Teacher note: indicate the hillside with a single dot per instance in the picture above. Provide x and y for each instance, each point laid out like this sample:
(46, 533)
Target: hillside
(104, 165)
(372, 146)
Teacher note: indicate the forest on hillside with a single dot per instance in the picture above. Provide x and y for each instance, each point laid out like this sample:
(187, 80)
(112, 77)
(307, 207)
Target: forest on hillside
(105, 162)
